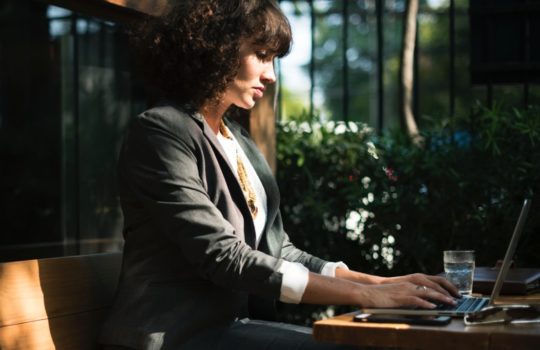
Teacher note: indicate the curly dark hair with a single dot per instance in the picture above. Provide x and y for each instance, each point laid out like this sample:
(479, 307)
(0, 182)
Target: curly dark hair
(191, 54)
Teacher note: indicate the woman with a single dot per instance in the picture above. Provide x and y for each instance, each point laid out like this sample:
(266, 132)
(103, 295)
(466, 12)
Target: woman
(205, 251)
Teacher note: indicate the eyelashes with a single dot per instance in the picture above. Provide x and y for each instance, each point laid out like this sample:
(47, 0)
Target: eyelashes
(264, 55)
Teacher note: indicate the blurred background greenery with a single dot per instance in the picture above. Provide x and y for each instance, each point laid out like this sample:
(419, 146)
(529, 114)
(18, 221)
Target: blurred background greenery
(387, 206)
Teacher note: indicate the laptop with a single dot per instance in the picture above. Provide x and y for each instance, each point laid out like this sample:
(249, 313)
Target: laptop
(467, 304)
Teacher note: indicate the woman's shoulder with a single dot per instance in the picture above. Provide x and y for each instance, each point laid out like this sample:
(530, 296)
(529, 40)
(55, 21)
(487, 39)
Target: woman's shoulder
(182, 121)
(169, 113)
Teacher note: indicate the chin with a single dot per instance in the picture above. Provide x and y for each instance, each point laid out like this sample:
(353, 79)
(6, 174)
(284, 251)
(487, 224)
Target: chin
(246, 104)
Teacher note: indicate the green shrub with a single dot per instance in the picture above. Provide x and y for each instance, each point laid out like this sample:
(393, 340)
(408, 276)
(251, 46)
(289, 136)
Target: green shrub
(330, 175)
(386, 206)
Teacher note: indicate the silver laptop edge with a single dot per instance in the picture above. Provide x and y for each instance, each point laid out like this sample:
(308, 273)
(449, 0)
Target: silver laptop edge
(503, 272)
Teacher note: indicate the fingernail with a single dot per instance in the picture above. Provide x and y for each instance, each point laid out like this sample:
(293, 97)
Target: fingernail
(432, 306)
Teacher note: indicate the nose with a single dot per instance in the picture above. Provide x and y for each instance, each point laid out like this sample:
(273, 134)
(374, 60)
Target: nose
(269, 75)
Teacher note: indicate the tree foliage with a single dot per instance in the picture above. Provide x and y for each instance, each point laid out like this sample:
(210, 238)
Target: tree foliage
(432, 94)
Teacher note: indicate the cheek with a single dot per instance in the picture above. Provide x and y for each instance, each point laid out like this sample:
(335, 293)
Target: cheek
(248, 69)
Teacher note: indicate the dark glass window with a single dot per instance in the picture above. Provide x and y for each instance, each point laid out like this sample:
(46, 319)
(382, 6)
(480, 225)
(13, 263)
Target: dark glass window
(66, 94)
(504, 45)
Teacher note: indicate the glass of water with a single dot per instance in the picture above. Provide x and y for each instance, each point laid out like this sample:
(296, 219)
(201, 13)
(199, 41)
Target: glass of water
(459, 269)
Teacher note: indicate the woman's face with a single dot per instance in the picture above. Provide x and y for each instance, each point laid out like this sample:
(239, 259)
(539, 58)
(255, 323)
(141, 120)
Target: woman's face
(255, 72)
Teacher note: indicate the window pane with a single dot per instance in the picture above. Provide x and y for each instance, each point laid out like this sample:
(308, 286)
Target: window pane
(65, 98)
(29, 134)
(106, 95)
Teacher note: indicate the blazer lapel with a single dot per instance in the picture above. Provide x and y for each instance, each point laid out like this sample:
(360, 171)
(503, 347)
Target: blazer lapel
(263, 171)
(232, 180)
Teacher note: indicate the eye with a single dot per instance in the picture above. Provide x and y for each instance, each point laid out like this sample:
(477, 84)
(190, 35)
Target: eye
(263, 55)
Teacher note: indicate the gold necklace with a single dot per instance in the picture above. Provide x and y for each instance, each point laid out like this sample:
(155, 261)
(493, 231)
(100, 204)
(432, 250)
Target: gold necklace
(247, 189)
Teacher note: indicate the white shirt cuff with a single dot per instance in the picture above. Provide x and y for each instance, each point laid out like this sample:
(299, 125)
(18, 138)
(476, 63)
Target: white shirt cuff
(329, 269)
(294, 281)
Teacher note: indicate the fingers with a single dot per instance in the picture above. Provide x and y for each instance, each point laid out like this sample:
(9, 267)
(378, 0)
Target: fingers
(422, 297)
(409, 294)
(435, 285)
(424, 293)
(418, 290)
(444, 283)
(438, 283)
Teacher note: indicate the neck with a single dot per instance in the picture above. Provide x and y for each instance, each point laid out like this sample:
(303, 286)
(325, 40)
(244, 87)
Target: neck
(213, 113)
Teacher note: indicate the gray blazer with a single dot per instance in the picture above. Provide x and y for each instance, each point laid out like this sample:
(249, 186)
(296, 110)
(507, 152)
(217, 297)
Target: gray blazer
(189, 258)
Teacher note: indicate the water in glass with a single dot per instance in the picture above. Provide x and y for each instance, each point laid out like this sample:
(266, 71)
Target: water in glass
(461, 275)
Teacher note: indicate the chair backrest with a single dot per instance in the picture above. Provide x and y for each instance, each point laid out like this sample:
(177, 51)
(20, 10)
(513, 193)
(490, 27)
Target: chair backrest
(56, 303)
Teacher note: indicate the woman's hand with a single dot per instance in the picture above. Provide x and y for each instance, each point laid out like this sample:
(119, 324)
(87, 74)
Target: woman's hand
(409, 290)
(403, 294)
(437, 283)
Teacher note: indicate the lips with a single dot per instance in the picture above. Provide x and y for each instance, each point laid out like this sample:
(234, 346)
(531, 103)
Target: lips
(259, 92)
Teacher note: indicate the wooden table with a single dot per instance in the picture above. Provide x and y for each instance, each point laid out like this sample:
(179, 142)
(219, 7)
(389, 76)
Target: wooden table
(343, 330)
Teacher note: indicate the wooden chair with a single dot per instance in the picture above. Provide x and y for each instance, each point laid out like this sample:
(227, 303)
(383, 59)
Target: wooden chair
(56, 303)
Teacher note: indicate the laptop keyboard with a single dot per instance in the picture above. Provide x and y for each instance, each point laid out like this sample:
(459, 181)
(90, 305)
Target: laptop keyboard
(465, 305)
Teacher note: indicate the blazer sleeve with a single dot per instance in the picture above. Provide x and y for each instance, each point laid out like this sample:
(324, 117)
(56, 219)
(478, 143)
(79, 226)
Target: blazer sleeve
(291, 253)
(161, 171)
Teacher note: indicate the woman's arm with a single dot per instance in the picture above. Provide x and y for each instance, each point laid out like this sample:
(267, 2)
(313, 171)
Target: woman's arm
(328, 290)
(437, 283)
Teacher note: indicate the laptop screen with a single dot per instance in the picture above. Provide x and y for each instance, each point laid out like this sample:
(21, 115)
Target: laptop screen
(510, 251)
